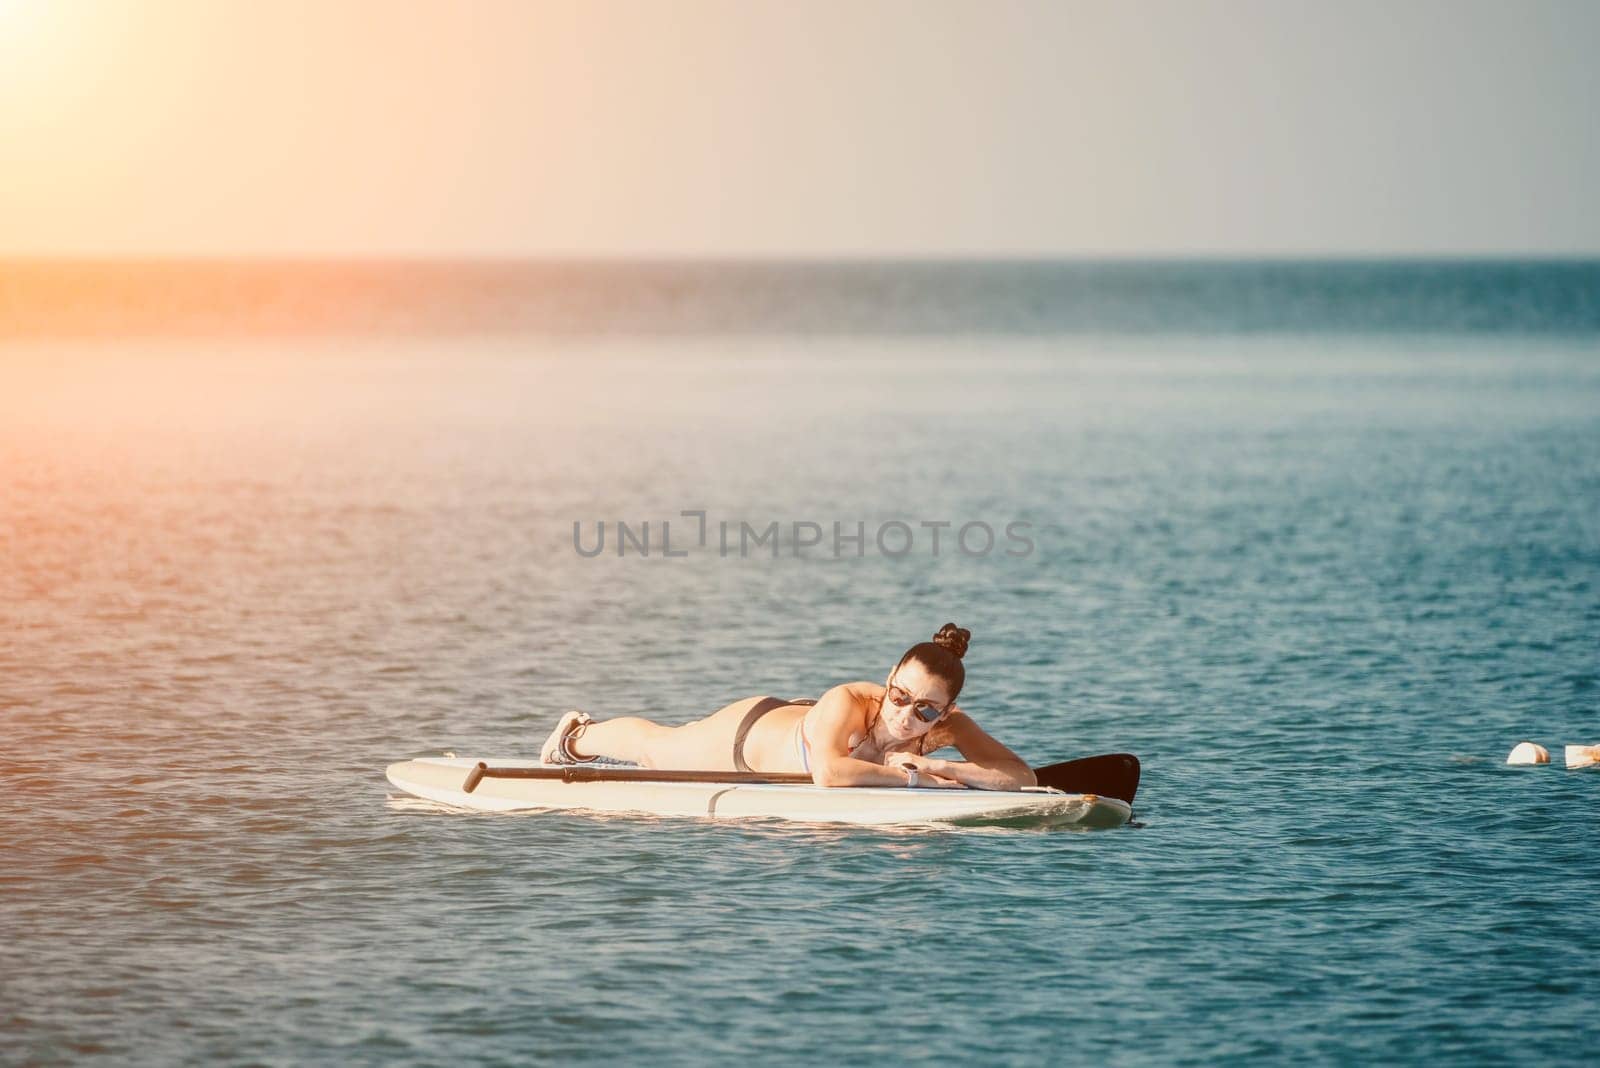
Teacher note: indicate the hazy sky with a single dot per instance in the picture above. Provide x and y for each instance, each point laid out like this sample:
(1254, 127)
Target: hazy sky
(691, 127)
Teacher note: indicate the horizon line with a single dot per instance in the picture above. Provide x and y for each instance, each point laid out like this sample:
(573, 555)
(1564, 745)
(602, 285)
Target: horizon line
(553, 259)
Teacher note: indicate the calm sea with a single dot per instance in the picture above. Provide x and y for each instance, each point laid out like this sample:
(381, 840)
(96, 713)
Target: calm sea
(1319, 569)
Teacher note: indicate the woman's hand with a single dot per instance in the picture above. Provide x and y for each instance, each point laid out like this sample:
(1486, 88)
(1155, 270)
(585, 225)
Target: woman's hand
(929, 771)
(939, 781)
(924, 765)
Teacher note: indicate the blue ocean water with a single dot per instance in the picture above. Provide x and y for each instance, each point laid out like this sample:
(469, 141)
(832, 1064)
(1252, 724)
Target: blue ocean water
(1319, 580)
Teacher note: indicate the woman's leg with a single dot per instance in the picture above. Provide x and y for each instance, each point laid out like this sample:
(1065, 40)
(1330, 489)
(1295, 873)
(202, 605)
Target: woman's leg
(632, 738)
(703, 745)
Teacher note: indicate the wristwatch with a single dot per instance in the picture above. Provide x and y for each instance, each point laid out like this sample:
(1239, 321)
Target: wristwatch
(911, 777)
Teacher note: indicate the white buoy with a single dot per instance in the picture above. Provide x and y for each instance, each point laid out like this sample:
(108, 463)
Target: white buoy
(1583, 756)
(1533, 753)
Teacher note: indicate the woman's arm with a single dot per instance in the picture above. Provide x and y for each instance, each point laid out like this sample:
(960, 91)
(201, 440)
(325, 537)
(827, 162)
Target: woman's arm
(989, 765)
(836, 715)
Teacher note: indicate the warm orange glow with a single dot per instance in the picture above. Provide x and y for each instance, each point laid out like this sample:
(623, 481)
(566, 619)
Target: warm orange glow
(301, 128)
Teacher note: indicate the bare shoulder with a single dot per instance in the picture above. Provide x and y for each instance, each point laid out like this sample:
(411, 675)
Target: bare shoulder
(846, 705)
(854, 694)
(950, 731)
(837, 716)
(975, 743)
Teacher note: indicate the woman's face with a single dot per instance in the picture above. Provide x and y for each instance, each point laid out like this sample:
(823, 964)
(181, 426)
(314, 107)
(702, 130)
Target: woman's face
(902, 721)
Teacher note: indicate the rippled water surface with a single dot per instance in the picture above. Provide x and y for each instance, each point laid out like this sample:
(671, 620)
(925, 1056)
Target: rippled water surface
(1320, 587)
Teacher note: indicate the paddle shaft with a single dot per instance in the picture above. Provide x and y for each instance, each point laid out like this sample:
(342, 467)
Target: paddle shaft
(1114, 775)
(580, 773)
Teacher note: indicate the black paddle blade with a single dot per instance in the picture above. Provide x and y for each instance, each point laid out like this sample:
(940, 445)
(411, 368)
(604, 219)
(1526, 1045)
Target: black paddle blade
(1113, 775)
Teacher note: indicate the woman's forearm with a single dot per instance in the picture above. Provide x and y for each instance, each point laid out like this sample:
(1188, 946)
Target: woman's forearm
(983, 778)
(848, 771)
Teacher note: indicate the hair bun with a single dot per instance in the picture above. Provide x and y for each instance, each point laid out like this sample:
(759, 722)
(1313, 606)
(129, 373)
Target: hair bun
(953, 638)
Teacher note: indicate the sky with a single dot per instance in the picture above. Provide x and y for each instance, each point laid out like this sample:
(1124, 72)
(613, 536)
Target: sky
(748, 128)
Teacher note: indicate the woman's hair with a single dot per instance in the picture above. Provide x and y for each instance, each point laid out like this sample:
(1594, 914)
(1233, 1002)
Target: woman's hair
(942, 656)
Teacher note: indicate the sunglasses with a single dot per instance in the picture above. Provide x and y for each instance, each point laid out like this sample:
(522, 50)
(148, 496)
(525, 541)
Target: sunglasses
(926, 711)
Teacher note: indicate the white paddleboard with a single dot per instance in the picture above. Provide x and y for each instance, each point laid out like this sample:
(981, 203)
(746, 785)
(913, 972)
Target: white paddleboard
(442, 779)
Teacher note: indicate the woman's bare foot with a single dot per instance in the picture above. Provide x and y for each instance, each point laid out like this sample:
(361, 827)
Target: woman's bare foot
(558, 747)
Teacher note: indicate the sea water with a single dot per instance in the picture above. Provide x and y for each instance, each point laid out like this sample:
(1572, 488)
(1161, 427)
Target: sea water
(1319, 580)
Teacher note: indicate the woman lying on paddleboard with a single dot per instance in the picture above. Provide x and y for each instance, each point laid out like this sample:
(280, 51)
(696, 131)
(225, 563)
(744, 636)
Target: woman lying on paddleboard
(857, 734)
